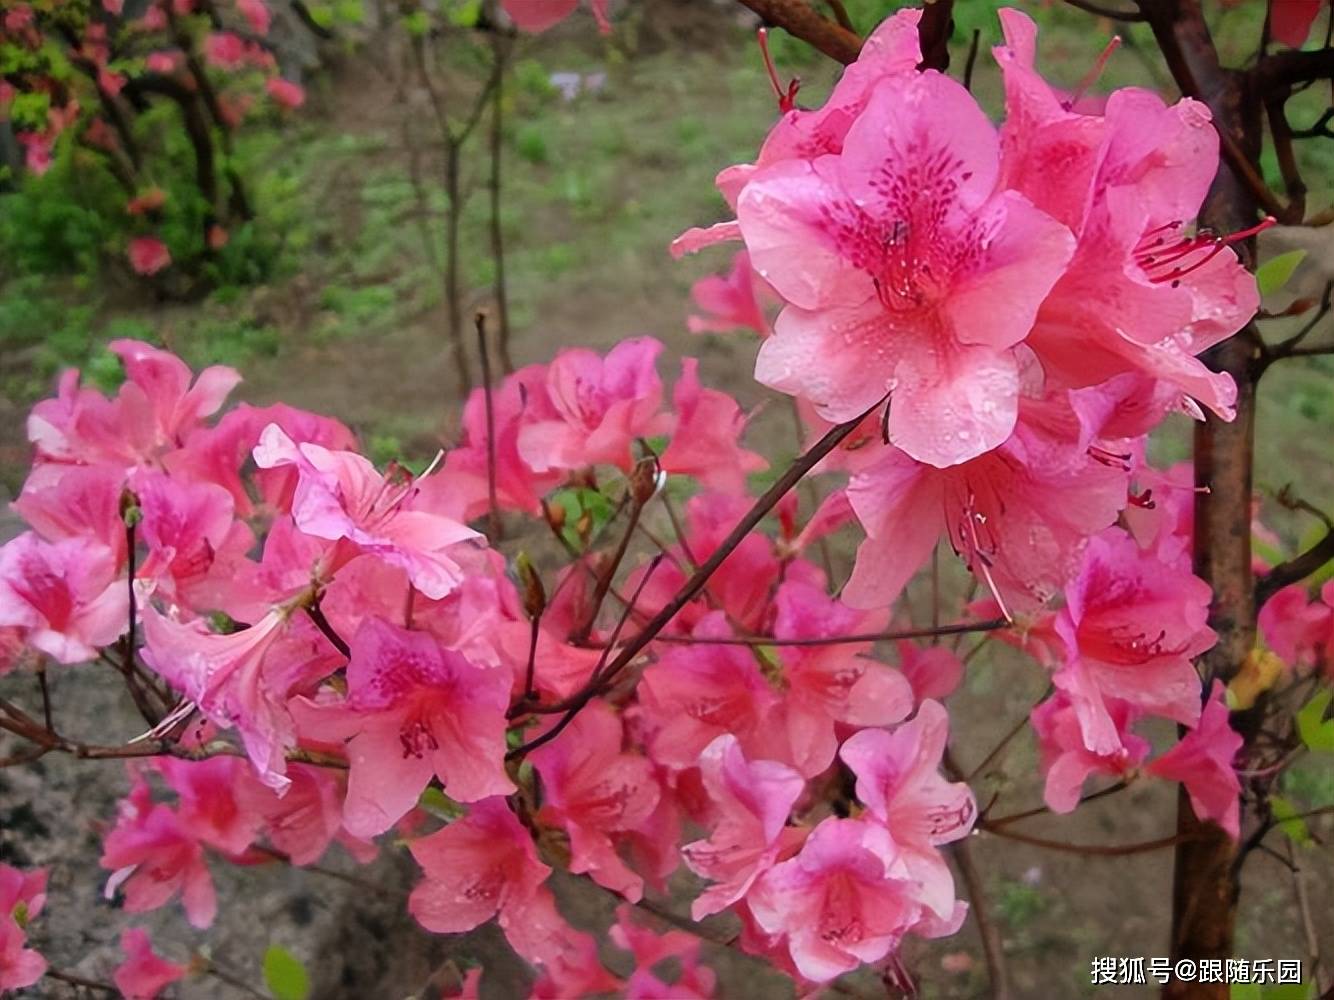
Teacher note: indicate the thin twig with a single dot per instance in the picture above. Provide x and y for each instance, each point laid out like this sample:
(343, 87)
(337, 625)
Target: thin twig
(81, 981)
(493, 509)
(1090, 850)
(993, 947)
(1108, 12)
(322, 623)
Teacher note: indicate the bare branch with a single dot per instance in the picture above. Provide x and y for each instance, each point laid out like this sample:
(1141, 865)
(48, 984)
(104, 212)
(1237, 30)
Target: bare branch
(800, 20)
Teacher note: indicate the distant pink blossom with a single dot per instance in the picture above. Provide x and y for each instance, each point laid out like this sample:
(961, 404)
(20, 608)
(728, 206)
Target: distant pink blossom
(149, 255)
(285, 92)
(161, 62)
(144, 974)
(535, 16)
(225, 49)
(1202, 761)
(731, 301)
(1300, 630)
(257, 15)
(413, 711)
(601, 404)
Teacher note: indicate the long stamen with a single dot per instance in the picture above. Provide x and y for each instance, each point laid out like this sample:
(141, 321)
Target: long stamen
(1091, 77)
(787, 98)
(1154, 263)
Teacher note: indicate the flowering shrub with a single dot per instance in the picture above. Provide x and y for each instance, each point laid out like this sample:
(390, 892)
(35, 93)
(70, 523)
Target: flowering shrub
(88, 78)
(979, 326)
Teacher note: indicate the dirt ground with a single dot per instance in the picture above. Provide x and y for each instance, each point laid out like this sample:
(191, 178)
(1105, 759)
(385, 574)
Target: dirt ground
(1056, 911)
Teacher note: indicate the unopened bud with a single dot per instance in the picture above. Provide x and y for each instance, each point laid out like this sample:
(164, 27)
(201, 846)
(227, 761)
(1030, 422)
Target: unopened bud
(534, 594)
(555, 515)
(644, 480)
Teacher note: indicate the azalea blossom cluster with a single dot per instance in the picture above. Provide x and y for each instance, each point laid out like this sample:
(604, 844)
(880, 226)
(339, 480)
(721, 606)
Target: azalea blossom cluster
(979, 326)
(82, 72)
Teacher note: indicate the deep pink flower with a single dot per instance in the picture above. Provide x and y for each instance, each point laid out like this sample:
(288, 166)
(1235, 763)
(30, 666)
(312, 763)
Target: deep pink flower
(1202, 761)
(339, 495)
(66, 597)
(22, 895)
(594, 791)
(152, 855)
(695, 693)
(414, 710)
(567, 958)
(1290, 20)
(1131, 628)
(257, 13)
(208, 805)
(893, 256)
(149, 255)
(706, 443)
(831, 684)
(899, 780)
(224, 49)
(844, 900)
(730, 302)
(1067, 762)
(1300, 630)
(144, 974)
(752, 800)
(1019, 516)
(285, 92)
(475, 868)
(601, 404)
(933, 671)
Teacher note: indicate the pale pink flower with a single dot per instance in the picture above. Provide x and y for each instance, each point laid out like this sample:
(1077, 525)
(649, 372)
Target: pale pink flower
(22, 895)
(843, 901)
(752, 800)
(63, 502)
(567, 958)
(899, 780)
(831, 684)
(893, 256)
(339, 495)
(1067, 762)
(228, 678)
(152, 855)
(1131, 628)
(706, 442)
(305, 819)
(594, 791)
(144, 974)
(1202, 761)
(731, 301)
(414, 710)
(602, 405)
(149, 255)
(475, 868)
(66, 597)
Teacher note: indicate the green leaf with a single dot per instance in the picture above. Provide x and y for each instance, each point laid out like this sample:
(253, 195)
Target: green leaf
(465, 13)
(1316, 731)
(1245, 991)
(1274, 273)
(418, 23)
(439, 805)
(1289, 821)
(284, 974)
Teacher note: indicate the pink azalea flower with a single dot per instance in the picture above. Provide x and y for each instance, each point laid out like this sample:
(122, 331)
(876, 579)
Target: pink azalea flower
(594, 791)
(152, 855)
(149, 255)
(933, 671)
(1290, 21)
(414, 710)
(730, 302)
(208, 805)
(257, 14)
(285, 92)
(63, 502)
(1299, 630)
(22, 895)
(602, 405)
(567, 958)
(649, 950)
(706, 441)
(844, 900)
(899, 780)
(752, 800)
(65, 596)
(1131, 628)
(1202, 761)
(339, 495)
(305, 819)
(228, 678)
(1067, 762)
(144, 974)
(896, 251)
(1019, 516)
(828, 685)
(225, 50)
(161, 62)
(475, 868)
(520, 399)
(696, 693)
(535, 16)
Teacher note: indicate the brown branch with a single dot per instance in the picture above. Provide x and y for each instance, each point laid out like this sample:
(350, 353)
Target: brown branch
(1089, 850)
(802, 21)
(1288, 347)
(1291, 68)
(1295, 569)
(934, 31)
(1281, 132)
(1127, 16)
(993, 947)
(326, 628)
(484, 352)
(989, 625)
